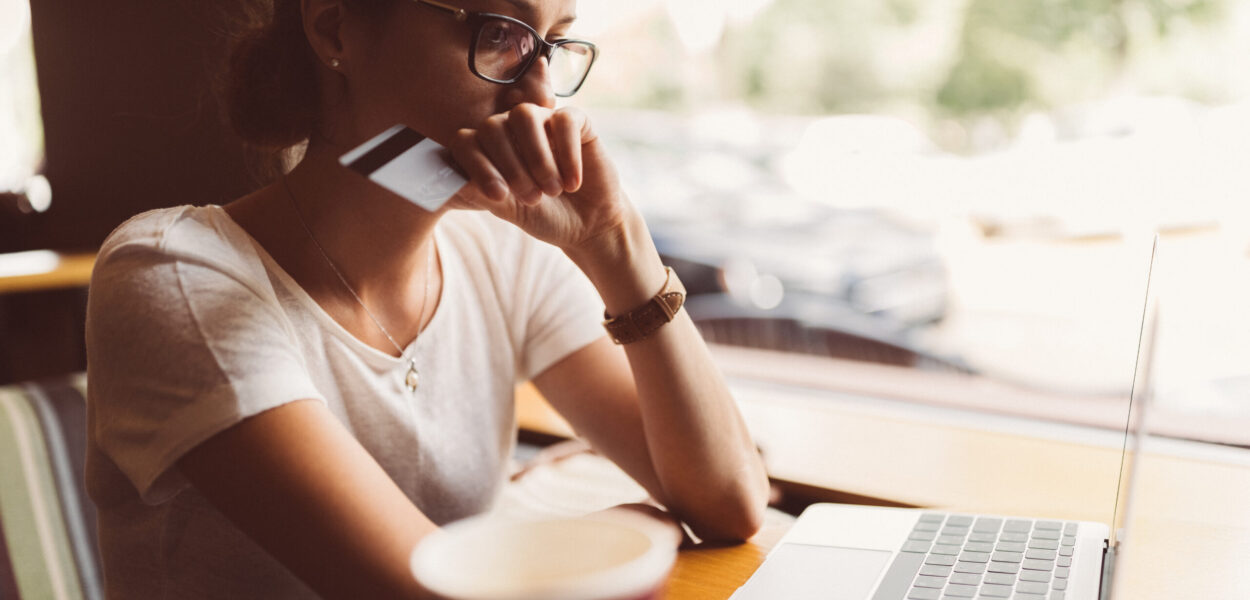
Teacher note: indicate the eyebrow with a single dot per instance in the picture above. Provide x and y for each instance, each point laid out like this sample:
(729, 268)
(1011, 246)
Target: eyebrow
(526, 6)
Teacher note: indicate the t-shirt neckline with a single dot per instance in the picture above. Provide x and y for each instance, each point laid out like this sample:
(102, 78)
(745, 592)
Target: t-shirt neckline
(302, 295)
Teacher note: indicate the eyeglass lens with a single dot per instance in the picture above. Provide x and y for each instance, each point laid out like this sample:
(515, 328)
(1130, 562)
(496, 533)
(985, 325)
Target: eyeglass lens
(502, 49)
(505, 48)
(569, 64)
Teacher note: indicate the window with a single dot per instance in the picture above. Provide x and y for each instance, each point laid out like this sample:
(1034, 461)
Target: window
(21, 130)
(963, 188)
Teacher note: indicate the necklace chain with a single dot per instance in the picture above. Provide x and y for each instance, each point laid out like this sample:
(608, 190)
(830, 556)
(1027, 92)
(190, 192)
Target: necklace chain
(411, 379)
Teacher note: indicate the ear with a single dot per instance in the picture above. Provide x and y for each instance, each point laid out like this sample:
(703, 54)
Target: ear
(324, 22)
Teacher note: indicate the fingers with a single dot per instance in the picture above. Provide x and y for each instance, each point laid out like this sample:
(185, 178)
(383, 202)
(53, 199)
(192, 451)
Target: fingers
(477, 167)
(497, 143)
(565, 131)
(527, 126)
(526, 152)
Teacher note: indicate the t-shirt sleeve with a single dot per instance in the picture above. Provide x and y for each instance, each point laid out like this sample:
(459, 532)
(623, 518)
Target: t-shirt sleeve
(561, 310)
(180, 348)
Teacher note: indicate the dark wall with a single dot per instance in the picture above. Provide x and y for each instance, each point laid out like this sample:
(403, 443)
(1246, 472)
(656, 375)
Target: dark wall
(131, 124)
(129, 115)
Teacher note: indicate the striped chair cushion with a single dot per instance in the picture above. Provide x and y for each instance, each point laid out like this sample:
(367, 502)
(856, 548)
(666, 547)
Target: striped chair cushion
(48, 547)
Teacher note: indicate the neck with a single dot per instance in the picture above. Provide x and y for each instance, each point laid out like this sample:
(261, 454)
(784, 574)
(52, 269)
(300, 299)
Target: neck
(375, 238)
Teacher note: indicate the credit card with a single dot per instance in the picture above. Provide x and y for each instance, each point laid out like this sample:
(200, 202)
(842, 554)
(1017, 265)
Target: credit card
(405, 162)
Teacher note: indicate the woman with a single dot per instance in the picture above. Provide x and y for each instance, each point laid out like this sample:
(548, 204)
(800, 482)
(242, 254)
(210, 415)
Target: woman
(287, 393)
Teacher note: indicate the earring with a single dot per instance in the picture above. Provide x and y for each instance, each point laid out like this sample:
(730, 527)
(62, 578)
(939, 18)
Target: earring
(334, 63)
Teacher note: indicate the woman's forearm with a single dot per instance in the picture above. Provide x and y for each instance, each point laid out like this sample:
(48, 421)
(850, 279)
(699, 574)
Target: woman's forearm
(700, 449)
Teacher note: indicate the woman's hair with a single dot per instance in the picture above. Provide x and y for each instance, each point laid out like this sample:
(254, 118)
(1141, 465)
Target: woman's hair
(269, 91)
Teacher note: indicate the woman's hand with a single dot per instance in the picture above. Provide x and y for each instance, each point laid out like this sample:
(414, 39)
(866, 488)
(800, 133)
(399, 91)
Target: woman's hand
(543, 170)
(676, 427)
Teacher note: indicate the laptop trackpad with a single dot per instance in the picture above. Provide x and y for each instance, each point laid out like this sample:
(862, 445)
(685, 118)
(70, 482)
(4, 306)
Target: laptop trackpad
(800, 571)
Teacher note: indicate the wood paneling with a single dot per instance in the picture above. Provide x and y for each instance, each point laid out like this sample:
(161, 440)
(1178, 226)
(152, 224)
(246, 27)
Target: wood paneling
(129, 117)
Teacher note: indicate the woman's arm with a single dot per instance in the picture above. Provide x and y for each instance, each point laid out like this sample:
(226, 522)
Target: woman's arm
(660, 408)
(296, 482)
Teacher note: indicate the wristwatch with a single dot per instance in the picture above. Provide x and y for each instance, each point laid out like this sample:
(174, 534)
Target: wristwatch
(643, 321)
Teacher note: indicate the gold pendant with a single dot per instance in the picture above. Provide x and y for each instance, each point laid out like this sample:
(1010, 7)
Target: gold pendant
(412, 378)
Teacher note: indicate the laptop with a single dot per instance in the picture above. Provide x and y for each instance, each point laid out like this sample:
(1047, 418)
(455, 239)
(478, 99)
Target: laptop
(849, 552)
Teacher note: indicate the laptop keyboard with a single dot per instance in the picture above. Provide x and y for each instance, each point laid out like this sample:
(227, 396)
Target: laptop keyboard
(960, 556)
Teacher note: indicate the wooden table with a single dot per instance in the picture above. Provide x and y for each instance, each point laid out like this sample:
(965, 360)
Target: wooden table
(42, 302)
(1189, 537)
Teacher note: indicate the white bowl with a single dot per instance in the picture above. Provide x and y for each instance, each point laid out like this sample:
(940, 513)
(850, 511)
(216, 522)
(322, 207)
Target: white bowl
(601, 557)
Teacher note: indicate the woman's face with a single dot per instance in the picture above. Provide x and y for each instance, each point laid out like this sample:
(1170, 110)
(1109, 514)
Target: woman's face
(414, 68)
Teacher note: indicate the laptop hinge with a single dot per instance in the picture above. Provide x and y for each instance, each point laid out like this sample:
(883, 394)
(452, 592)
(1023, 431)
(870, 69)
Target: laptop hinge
(1108, 568)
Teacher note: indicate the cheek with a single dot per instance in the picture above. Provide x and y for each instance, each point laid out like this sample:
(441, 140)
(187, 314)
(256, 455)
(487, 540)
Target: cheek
(431, 90)
(440, 106)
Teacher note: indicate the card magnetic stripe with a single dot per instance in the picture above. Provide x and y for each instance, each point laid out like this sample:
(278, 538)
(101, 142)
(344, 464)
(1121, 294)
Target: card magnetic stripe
(387, 151)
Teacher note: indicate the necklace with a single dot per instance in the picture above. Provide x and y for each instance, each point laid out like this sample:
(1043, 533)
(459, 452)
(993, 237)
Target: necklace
(412, 378)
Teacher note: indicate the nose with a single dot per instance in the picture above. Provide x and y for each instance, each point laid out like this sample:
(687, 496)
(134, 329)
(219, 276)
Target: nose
(533, 87)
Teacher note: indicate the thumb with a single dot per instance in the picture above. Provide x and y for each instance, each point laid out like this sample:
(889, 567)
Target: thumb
(471, 197)
(465, 199)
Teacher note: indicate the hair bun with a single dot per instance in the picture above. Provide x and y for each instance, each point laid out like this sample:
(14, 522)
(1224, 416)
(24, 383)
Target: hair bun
(271, 83)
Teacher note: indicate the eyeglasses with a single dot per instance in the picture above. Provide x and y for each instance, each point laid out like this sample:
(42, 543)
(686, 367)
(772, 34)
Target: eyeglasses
(503, 49)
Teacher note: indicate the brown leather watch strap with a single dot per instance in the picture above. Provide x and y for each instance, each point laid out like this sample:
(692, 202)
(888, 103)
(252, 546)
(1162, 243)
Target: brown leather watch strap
(643, 321)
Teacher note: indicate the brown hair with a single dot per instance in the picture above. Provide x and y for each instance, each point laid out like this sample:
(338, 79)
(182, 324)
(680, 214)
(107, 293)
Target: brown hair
(269, 91)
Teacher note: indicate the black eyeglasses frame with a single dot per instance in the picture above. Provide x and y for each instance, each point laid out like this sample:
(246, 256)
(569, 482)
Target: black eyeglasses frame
(544, 48)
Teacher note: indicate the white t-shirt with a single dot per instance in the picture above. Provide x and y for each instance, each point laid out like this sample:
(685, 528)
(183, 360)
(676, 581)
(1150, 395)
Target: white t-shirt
(192, 327)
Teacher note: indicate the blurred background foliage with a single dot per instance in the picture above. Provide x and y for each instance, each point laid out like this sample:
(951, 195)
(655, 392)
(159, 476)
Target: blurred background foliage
(1090, 42)
(924, 60)
(969, 179)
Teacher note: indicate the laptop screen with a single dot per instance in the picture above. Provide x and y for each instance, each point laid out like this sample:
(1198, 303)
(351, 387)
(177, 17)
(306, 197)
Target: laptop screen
(1139, 399)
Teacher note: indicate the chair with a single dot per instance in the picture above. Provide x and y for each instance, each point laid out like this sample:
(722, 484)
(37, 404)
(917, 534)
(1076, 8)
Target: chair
(48, 540)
